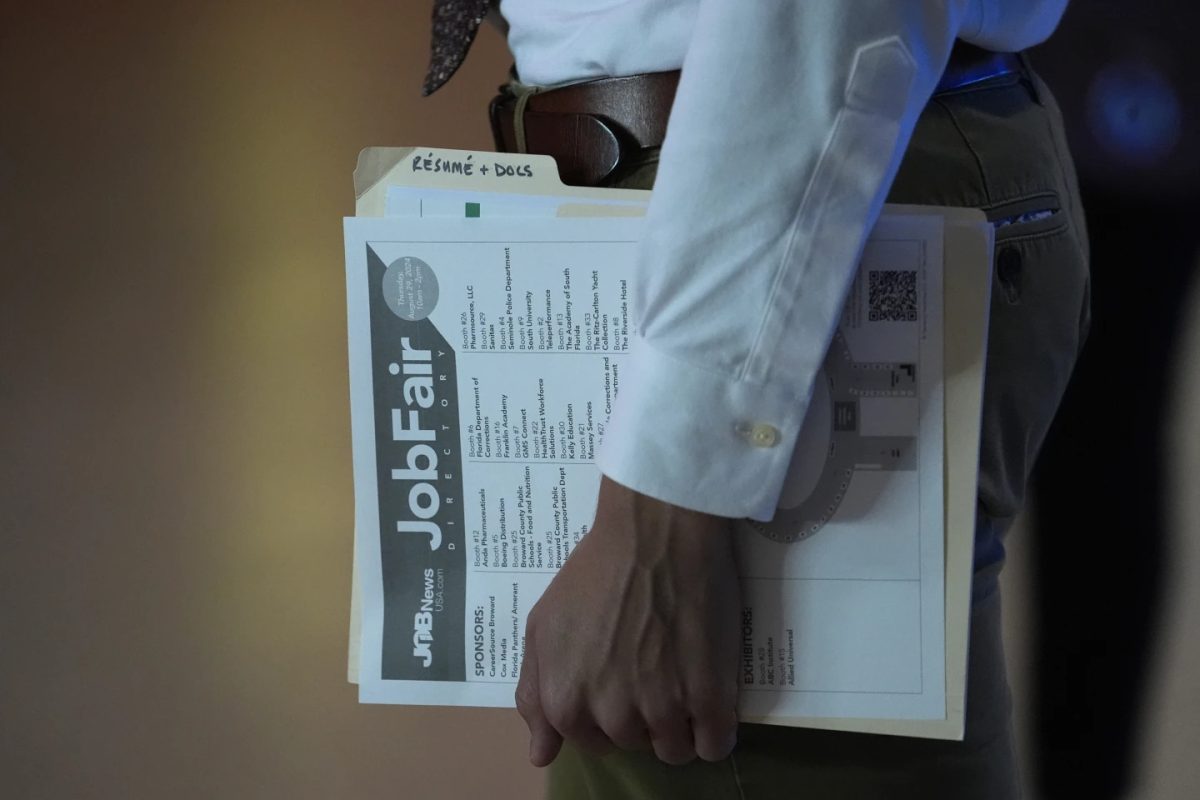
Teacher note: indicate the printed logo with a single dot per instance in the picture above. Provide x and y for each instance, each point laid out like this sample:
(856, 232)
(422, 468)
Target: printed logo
(410, 288)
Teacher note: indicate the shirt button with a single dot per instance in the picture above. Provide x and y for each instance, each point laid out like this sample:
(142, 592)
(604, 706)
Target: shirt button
(760, 434)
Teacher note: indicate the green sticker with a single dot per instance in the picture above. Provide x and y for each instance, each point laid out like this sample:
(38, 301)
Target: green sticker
(472, 210)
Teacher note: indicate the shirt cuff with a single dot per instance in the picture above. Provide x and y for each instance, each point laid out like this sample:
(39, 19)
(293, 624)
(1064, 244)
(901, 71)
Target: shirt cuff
(698, 438)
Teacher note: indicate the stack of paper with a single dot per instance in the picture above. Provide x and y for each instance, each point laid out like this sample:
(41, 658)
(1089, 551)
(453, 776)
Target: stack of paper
(489, 323)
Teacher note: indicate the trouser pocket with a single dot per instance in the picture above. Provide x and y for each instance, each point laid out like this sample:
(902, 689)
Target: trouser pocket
(1038, 320)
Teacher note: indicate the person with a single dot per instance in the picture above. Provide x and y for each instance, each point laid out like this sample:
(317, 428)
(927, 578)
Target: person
(772, 133)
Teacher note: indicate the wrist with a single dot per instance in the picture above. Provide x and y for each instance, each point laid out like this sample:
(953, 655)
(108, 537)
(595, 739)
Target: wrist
(630, 511)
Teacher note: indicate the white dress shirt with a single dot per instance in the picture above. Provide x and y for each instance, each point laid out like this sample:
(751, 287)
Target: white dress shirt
(788, 127)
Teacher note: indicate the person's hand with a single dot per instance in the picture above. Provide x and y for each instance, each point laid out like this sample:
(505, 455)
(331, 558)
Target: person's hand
(635, 641)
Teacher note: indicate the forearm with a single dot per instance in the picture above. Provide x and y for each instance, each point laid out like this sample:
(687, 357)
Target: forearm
(788, 126)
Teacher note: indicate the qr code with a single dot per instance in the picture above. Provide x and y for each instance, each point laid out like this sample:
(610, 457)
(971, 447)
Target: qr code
(892, 295)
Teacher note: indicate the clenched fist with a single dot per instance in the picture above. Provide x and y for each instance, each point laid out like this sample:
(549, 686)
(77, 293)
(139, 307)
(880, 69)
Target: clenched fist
(635, 641)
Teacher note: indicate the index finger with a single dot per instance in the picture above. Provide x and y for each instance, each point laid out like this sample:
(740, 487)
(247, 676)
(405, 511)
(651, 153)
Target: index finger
(544, 740)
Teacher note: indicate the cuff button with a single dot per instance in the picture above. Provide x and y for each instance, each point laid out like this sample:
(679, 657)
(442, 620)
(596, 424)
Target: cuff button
(760, 434)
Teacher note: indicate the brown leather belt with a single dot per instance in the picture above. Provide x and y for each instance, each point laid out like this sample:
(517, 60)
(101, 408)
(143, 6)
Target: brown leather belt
(590, 127)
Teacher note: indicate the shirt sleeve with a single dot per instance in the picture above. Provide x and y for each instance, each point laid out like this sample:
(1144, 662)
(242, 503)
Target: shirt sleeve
(788, 127)
(1006, 25)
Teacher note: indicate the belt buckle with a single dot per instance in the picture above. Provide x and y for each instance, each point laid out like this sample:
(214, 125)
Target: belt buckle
(587, 148)
(495, 109)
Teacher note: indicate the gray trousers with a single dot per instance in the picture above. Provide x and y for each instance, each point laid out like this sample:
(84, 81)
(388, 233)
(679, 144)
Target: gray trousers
(998, 146)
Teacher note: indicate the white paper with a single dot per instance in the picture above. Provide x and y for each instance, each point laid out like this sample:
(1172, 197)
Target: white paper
(535, 318)
(846, 584)
(411, 201)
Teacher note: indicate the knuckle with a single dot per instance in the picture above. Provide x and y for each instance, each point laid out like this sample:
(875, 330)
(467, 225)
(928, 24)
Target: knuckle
(709, 692)
(568, 718)
(556, 716)
(526, 698)
(625, 731)
(663, 716)
(532, 619)
(714, 710)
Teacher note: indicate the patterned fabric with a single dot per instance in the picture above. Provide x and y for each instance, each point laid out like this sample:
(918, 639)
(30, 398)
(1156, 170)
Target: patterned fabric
(455, 23)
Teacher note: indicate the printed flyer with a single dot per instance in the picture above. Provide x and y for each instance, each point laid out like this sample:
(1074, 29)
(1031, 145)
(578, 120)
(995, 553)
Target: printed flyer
(485, 355)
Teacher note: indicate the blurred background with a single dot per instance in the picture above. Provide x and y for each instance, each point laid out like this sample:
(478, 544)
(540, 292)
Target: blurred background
(175, 490)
